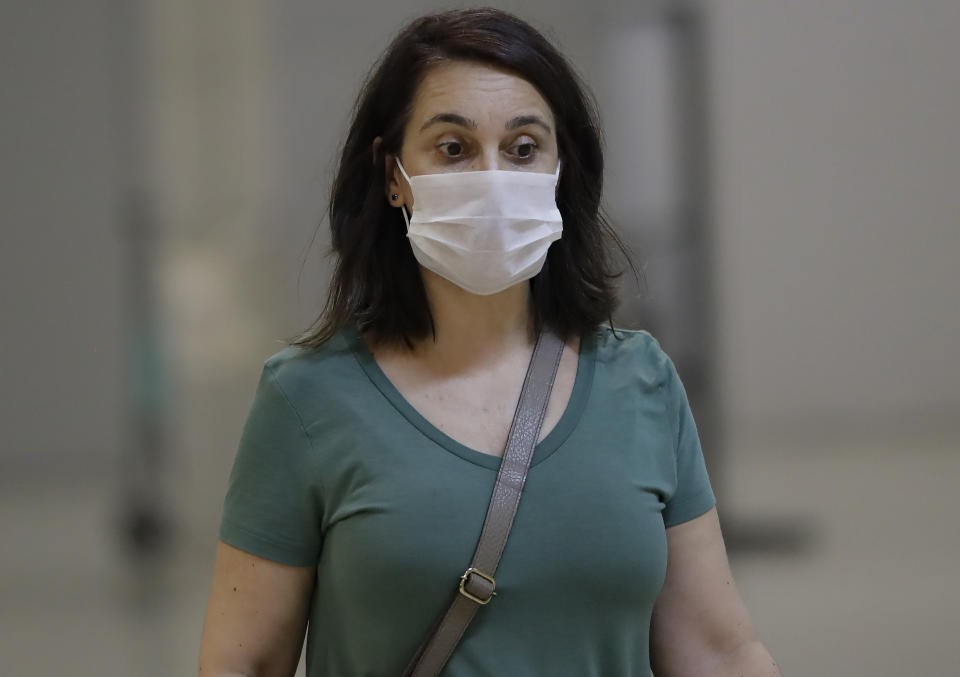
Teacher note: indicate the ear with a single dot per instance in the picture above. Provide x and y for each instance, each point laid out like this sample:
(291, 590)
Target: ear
(391, 176)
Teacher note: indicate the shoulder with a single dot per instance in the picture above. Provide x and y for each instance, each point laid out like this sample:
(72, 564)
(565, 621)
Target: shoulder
(304, 374)
(633, 352)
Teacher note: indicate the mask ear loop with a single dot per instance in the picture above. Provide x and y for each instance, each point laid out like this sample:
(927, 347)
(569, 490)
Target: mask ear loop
(403, 208)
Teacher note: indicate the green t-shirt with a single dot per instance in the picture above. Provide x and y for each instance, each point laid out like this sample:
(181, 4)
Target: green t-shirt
(336, 470)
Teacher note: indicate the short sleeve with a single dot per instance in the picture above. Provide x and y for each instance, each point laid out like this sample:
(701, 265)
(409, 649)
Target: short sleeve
(272, 505)
(694, 494)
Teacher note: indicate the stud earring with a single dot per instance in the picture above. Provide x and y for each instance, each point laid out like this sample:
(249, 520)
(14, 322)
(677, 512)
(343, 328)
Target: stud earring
(394, 197)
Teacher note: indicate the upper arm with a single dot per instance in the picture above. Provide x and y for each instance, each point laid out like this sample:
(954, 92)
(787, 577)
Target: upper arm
(699, 615)
(256, 616)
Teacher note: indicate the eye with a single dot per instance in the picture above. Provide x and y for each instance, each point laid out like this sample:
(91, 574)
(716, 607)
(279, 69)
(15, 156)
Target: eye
(524, 149)
(451, 149)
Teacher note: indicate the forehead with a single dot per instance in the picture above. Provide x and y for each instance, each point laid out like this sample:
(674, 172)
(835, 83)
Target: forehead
(476, 90)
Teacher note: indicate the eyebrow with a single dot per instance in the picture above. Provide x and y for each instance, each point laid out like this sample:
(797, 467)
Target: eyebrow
(457, 119)
(452, 118)
(524, 120)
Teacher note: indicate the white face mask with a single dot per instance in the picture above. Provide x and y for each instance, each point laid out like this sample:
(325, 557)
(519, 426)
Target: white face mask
(484, 231)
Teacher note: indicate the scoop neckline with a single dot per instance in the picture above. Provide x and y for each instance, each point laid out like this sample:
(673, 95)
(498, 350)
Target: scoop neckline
(582, 385)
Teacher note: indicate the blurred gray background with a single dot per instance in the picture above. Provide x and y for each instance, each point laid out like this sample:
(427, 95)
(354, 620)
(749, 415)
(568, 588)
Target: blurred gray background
(788, 173)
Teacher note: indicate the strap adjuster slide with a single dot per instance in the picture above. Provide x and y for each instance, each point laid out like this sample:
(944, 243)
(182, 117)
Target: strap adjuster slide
(463, 582)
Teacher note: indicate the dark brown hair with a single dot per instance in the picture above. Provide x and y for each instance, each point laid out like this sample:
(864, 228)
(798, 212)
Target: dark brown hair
(376, 282)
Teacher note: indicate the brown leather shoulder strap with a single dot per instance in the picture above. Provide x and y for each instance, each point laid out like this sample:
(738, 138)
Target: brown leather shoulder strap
(477, 585)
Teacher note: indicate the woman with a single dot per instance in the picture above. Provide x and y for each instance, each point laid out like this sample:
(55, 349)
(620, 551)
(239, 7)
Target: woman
(465, 218)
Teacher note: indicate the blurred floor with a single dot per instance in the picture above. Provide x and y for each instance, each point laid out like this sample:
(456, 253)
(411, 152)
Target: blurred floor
(875, 595)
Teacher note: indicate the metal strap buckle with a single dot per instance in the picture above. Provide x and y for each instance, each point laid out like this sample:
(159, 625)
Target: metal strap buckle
(463, 581)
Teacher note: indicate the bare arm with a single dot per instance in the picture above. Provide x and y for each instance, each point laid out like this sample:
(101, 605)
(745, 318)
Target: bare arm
(700, 625)
(256, 616)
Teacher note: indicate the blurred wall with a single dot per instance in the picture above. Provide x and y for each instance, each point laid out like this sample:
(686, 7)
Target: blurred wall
(65, 149)
(836, 174)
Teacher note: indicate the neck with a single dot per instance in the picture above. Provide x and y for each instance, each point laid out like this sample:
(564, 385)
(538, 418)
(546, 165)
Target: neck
(471, 328)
